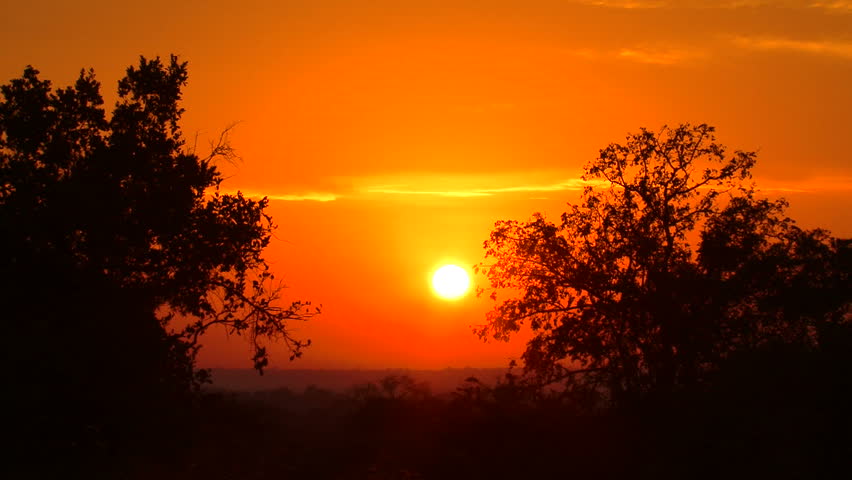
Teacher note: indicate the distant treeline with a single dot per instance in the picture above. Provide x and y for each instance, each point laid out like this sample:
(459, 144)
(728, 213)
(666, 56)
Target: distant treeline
(245, 379)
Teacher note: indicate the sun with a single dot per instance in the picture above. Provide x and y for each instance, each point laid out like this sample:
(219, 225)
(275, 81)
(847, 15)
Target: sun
(450, 282)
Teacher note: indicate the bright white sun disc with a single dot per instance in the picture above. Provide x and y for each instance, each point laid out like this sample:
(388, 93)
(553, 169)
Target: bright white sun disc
(450, 282)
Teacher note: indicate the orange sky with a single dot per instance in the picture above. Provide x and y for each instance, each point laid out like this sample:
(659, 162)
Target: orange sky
(392, 134)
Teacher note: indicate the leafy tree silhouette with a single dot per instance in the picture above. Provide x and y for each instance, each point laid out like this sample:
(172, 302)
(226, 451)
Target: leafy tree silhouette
(111, 227)
(621, 302)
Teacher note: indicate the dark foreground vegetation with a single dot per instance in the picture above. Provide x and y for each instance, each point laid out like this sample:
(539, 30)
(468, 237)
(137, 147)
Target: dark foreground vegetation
(751, 424)
(683, 325)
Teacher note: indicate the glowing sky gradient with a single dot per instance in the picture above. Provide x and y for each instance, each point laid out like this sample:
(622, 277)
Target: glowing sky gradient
(391, 135)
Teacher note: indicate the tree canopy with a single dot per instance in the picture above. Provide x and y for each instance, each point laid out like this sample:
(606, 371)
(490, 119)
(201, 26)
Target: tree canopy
(670, 264)
(111, 229)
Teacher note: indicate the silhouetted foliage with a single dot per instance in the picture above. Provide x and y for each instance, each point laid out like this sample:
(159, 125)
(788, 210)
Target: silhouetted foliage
(683, 326)
(112, 228)
(669, 265)
(506, 431)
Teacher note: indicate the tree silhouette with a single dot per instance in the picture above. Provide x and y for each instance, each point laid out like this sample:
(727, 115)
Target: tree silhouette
(111, 228)
(620, 300)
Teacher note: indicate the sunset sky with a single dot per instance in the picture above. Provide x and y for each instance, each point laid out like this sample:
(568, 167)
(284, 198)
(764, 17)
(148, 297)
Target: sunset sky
(390, 135)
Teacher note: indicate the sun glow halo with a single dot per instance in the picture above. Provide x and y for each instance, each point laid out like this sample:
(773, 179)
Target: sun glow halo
(450, 282)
